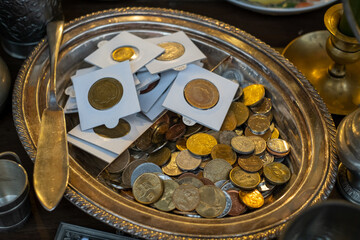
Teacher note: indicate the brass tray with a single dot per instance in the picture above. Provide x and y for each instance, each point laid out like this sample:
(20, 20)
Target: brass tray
(299, 112)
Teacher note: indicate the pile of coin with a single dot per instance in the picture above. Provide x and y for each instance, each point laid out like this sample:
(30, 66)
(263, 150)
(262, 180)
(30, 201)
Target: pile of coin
(198, 172)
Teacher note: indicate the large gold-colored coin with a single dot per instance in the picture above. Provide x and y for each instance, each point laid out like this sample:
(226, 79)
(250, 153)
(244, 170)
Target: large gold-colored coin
(201, 94)
(217, 169)
(171, 169)
(244, 180)
(252, 199)
(148, 188)
(241, 112)
(160, 157)
(212, 201)
(186, 197)
(105, 93)
(166, 203)
(277, 173)
(201, 144)
(120, 130)
(253, 94)
(187, 162)
(230, 122)
(124, 53)
(251, 163)
(173, 50)
(225, 152)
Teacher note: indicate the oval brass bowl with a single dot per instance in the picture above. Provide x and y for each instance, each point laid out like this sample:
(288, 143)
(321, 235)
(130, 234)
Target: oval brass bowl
(300, 114)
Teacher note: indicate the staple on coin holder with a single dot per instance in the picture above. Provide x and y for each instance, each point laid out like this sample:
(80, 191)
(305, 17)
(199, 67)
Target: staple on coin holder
(146, 51)
(108, 148)
(147, 100)
(213, 117)
(90, 116)
(191, 52)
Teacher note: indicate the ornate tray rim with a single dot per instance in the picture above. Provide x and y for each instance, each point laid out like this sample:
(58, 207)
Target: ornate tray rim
(92, 209)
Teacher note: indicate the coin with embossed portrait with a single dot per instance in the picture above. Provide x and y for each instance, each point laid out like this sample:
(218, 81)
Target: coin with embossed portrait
(277, 173)
(105, 93)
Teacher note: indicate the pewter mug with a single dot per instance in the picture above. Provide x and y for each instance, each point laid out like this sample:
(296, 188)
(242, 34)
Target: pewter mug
(14, 193)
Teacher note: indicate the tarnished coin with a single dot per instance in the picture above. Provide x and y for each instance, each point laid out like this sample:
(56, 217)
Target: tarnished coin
(173, 50)
(159, 132)
(278, 145)
(166, 203)
(277, 173)
(185, 161)
(251, 163)
(148, 188)
(266, 158)
(194, 181)
(120, 130)
(201, 94)
(242, 145)
(171, 169)
(186, 197)
(258, 124)
(244, 180)
(260, 144)
(160, 157)
(175, 132)
(105, 93)
(181, 144)
(200, 144)
(241, 112)
(144, 168)
(252, 199)
(253, 94)
(264, 108)
(124, 53)
(229, 122)
(119, 164)
(237, 207)
(126, 176)
(228, 205)
(212, 201)
(224, 152)
(266, 136)
(143, 143)
(226, 136)
(275, 133)
(217, 169)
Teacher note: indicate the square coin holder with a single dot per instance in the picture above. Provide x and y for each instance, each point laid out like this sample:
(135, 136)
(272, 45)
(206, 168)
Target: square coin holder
(213, 117)
(146, 51)
(138, 125)
(157, 109)
(192, 53)
(91, 117)
(148, 99)
(145, 78)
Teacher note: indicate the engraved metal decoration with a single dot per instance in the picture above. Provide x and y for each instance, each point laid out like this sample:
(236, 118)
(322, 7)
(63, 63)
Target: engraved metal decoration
(309, 122)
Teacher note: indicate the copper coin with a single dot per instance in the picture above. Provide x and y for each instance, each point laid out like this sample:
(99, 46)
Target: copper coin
(120, 130)
(251, 163)
(150, 87)
(143, 143)
(181, 144)
(190, 130)
(237, 207)
(206, 181)
(105, 93)
(148, 188)
(187, 174)
(201, 94)
(241, 112)
(124, 53)
(175, 132)
(186, 197)
(173, 50)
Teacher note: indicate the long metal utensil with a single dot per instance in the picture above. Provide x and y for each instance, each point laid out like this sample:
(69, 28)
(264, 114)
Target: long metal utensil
(51, 170)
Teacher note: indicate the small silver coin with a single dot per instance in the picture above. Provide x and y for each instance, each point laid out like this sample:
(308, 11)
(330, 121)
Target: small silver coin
(144, 168)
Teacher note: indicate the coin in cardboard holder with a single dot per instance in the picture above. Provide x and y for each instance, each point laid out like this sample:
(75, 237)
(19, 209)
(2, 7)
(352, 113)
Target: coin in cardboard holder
(144, 51)
(184, 51)
(213, 117)
(106, 114)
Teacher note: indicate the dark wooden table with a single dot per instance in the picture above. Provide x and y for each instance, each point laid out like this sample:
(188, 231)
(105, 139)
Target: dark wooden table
(276, 31)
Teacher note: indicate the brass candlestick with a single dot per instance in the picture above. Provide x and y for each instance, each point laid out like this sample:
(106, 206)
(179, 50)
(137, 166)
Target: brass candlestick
(329, 60)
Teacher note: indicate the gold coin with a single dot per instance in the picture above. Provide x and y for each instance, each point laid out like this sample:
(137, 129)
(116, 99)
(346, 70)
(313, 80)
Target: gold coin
(181, 144)
(275, 133)
(253, 94)
(171, 169)
(217, 169)
(200, 144)
(225, 152)
(201, 94)
(190, 181)
(124, 53)
(241, 112)
(252, 199)
(277, 173)
(186, 197)
(266, 136)
(260, 144)
(148, 188)
(185, 161)
(105, 93)
(242, 145)
(120, 130)
(212, 201)
(251, 163)
(263, 108)
(258, 123)
(244, 180)
(166, 203)
(230, 122)
(278, 145)
(173, 50)
(160, 157)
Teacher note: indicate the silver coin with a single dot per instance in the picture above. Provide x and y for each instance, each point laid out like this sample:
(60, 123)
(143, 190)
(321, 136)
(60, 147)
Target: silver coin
(144, 168)
(278, 145)
(163, 176)
(260, 144)
(228, 205)
(226, 136)
(258, 124)
(266, 158)
(220, 183)
(229, 186)
(242, 145)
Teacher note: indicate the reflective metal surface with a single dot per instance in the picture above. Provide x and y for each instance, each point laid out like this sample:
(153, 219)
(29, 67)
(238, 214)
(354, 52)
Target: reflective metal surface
(301, 117)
